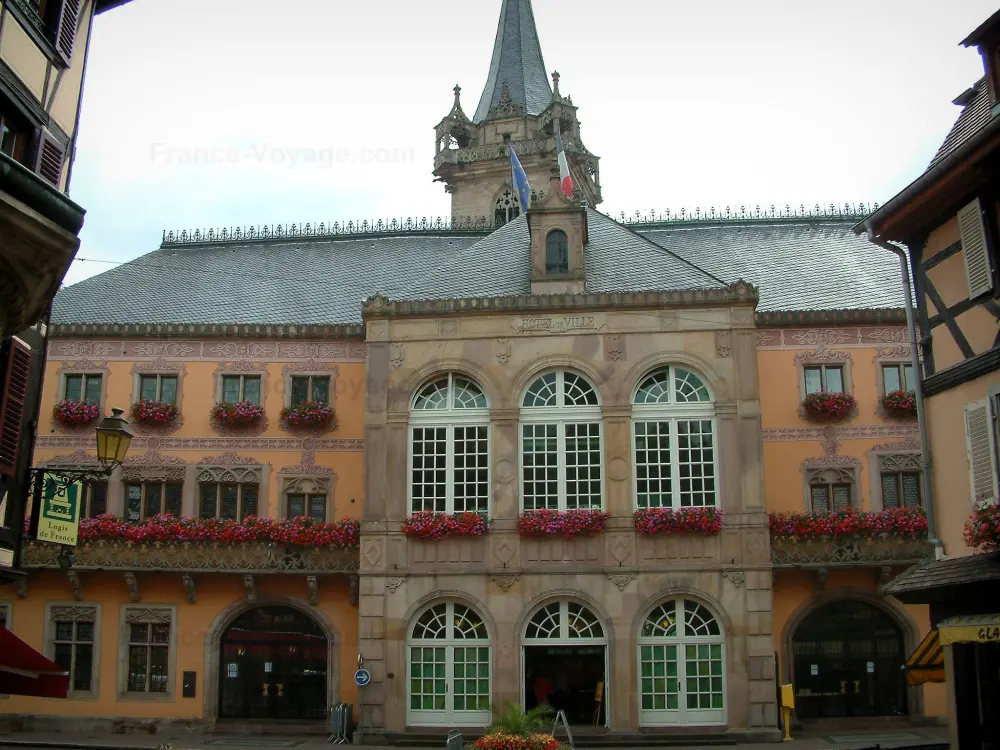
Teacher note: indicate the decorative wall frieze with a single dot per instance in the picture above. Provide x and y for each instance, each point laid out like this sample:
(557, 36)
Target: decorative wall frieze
(840, 432)
(73, 614)
(820, 462)
(910, 444)
(829, 337)
(823, 355)
(156, 616)
(84, 441)
(83, 365)
(158, 366)
(153, 466)
(228, 459)
(81, 458)
(64, 343)
(307, 466)
(900, 462)
(902, 351)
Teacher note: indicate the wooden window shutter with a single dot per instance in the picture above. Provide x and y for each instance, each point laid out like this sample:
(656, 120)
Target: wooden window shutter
(16, 368)
(977, 257)
(49, 161)
(979, 436)
(69, 16)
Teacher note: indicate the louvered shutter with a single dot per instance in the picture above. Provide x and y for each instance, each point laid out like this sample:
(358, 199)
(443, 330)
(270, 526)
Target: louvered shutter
(979, 437)
(69, 16)
(16, 367)
(977, 256)
(49, 161)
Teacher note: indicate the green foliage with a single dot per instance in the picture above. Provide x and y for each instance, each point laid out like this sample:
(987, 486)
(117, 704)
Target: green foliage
(511, 719)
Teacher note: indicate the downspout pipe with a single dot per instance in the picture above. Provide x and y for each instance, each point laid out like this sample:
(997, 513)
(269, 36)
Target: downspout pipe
(925, 453)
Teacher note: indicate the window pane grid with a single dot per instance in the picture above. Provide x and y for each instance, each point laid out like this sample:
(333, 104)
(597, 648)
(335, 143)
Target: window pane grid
(828, 378)
(583, 465)
(652, 464)
(148, 499)
(695, 463)
(703, 675)
(540, 466)
(148, 653)
(74, 652)
(428, 685)
(429, 469)
(471, 666)
(471, 469)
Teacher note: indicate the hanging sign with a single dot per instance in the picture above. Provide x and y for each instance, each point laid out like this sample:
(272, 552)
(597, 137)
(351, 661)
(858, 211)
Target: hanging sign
(59, 514)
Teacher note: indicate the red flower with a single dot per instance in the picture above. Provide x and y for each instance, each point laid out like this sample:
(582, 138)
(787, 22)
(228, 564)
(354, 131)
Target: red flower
(428, 525)
(153, 412)
(900, 403)
(982, 530)
(707, 521)
(571, 523)
(293, 532)
(69, 412)
(828, 407)
(242, 414)
(501, 740)
(308, 414)
(907, 523)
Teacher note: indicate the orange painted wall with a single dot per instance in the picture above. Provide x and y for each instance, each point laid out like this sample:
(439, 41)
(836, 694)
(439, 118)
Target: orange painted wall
(795, 590)
(215, 593)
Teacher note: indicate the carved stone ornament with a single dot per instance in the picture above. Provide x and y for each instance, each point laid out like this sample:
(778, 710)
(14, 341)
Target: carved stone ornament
(21, 587)
(73, 614)
(153, 466)
(821, 576)
(766, 338)
(735, 577)
(190, 590)
(823, 337)
(614, 347)
(397, 352)
(911, 444)
(909, 462)
(723, 344)
(86, 349)
(229, 459)
(353, 589)
(503, 351)
(229, 474)
(819, 462)
(77, 459)
(504, 582)
(250, 586)
(307, 466)
(154, 616)
(621, 580)
(393, 583)
(893, 352)
(312, 585)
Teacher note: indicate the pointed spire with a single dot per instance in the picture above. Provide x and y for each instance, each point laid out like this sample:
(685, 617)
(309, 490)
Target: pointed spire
(556, 96)
(517, 61)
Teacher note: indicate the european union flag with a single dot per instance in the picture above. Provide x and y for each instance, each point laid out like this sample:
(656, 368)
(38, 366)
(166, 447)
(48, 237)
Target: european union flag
(520, 180)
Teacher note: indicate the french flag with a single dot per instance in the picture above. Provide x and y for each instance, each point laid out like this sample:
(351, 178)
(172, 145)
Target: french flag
(565, 178)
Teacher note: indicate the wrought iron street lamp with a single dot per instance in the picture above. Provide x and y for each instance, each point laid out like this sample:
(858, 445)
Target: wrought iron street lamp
(113, 441)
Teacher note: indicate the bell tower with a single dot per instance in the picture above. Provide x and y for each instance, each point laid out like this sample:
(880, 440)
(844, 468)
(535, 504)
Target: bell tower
(518, 106)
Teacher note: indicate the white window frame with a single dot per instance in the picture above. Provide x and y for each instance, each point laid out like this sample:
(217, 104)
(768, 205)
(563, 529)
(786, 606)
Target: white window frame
(679, 716)
(561, 416)
(671, 413)
(448, 419)
(147, 613)
(450, 717)
(75, 611)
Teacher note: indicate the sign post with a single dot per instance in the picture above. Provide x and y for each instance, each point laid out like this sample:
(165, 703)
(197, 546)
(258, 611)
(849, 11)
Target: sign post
(361, 678)
(561, 719)
(59, 514)
(787, 705)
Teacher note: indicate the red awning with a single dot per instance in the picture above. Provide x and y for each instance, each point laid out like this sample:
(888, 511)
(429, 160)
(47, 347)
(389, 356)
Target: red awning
(24, 671)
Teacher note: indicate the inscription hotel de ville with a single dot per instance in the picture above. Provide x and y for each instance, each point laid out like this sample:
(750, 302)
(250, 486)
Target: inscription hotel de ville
(559, 324)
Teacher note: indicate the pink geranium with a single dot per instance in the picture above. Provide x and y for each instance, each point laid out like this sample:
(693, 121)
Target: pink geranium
(430, 525)
(570, 523)
(705, 521)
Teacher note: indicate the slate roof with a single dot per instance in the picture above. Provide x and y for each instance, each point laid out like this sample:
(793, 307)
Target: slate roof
(973, 118)
(517, 61)
(324, 282)
(810, 265)
(936, 574)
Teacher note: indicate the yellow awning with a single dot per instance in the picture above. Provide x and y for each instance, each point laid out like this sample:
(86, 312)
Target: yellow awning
(970, 629)
(926, 663)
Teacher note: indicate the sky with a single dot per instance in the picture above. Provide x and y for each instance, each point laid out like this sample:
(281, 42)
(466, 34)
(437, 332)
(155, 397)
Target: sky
(224, 113)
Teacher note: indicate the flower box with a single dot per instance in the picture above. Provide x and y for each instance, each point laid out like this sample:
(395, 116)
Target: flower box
(825, 406)
(568, 524)
(75, 413)
(293, 532)
(900, 403)
(504, 740)
(904, 523)
(982, 530)
(242, 414)
(428, 525)
(705, 521)
(309, 414)
(154, 412)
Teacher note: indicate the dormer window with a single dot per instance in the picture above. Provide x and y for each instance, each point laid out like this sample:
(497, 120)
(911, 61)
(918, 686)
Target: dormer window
(507, 208)
(556, 252)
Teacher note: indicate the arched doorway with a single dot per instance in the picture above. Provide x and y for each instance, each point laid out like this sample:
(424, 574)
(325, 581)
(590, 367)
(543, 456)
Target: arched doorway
(565, 661)
(273, 665)
(848, 660)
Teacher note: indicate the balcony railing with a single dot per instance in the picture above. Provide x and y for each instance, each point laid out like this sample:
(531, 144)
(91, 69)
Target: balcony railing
(836, 551)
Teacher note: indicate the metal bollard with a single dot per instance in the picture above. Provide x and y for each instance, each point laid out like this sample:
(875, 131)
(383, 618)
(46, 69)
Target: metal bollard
(454, 741)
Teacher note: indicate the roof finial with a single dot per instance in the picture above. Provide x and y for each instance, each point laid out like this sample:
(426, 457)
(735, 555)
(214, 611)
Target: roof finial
(555, 85)
(458, 92)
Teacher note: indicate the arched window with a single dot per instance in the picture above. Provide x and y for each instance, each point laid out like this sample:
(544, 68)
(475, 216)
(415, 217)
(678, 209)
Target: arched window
(681, 666)
(673, 429)
(449, 668)
(561, 452)
(507, 207)
(556, 252)
(450, 447)
(564, 621)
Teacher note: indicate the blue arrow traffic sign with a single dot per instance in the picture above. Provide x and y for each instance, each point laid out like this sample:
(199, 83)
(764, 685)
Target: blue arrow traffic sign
(362, 677)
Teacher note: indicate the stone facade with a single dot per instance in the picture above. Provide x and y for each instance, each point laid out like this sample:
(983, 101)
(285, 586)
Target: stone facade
(620, 575)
